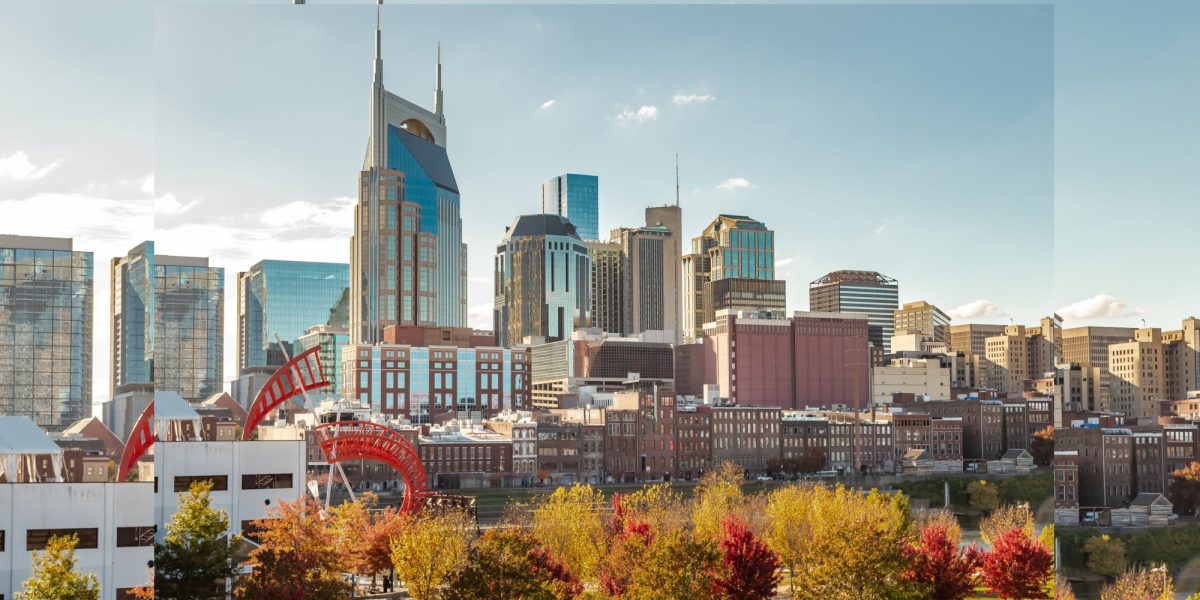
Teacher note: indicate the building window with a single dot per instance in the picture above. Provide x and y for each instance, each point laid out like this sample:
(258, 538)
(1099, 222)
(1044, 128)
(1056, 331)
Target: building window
(267, 481)
(132, 537)
(220, 483)
(36, 539)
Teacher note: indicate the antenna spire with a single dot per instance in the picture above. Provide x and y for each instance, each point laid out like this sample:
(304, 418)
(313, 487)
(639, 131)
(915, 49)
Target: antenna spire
(676, 179)
(437, 90)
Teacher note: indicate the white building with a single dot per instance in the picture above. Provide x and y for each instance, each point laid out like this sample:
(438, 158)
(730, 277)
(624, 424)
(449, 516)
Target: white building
(924, 377)
(113, 521)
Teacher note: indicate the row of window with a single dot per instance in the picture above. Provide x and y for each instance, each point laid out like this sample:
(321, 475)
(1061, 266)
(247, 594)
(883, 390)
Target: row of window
(89, 538)
(220, 483)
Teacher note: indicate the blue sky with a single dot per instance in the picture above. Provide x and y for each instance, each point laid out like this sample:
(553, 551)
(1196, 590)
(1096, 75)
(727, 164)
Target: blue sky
(1004, 160)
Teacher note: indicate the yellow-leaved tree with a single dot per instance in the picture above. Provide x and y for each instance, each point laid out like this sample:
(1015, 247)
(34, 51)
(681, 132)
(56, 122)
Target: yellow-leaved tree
(568, 523)
(1008, 516)
(718, 494)
(789, 527)
(659, 505)
(430, 549)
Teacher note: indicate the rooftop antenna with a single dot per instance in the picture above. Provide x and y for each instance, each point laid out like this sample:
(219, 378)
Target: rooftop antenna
(676, 179)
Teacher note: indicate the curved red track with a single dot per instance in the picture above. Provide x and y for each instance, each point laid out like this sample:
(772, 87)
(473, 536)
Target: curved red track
(284, 385)
(352, 440)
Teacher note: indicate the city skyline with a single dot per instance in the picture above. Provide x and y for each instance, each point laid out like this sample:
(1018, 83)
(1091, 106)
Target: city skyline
(104, 197)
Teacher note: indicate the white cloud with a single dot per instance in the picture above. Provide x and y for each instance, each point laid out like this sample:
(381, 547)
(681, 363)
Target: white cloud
(168, 204)
(480, 316)
(783, 262)
(148, 184)
(735, 183)
(647, 112)
(547, 104)
(692, 98)
(19, 168)
(1100, 306)
(977, 309)
(335, 213)
(879, 230)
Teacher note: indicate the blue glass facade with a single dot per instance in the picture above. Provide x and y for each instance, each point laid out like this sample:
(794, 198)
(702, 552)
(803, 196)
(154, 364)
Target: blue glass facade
(45, 331)
(576, 197)
(287, 298)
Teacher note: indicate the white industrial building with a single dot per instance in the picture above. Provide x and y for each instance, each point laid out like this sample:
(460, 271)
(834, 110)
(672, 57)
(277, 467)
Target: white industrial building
(112, 520)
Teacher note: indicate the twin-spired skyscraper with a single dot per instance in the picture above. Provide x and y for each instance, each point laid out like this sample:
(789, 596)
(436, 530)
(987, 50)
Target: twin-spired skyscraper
(407, 260)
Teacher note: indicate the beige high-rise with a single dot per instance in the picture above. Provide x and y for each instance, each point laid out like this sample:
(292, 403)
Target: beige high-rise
(1088, 347)
(922, 317)
(1137, 374)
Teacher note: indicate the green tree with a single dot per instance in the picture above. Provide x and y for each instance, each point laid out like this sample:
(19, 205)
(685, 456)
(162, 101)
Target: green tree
(296, 558)
(196, 558)
(1105, 555)
(983, 495)
(54, 576)
(431, 549)
(718, 494)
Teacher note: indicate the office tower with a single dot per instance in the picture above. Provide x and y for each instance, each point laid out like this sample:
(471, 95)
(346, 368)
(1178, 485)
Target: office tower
(287, 298)
(1088, 347)
(923, 318)
(1019, 355)
(1182, 356)
(865, 292)
(576, 197)
(542, 277)
(670, 217)
(331, 340)
(1137, 375)
(167, 324)
(739, 294)
(731, 247)
(971, 338)
(597, 360)
(407, 259)
(650, 288)
(604, 289)
(45, 330)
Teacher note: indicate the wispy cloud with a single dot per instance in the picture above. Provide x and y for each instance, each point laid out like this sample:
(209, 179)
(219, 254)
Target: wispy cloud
(735, 183)
(148, 184)
(168, 204)
(977, 309)
(648, 112)
(547, 104)
(879, 230)
(692, 98)
(480, 316)
(18, 167)
(1100, 306)
(783, 262)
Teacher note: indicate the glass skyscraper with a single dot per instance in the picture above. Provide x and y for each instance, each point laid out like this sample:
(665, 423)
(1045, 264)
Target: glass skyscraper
(867, 292)
(167, 323)
(576, 197)
(45, 330)
(731, 247)
(407, 259)
(287, 298)
(542, 279)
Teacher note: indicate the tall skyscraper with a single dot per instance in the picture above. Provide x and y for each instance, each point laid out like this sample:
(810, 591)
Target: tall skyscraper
(649, 271)
(605, 286)
(45, 330)
(1088, 347)
(731, 247)
(167, 324)
(542, 273)
(287, 298)
(407, 259)
(576, 197)
(865, 292)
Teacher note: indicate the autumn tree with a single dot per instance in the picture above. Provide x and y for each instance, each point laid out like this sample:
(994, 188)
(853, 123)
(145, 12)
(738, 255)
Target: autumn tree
(350, 523)
(660, 506)
(297, 557)
(195, 559)
(54, 576)
(1152, 583)
(385, 525)
(718, 494)
(1046, 537)
(675, 567)
(942, 518)
(1184, 489)
(982, 495)
(751, 569)
(1008, 516)
(628, 543)
(1062, 589)
(1018, 567)
(1041, 446)
(939, 567)
(430, 550)
(1105, 555)
(512, 565)
(567, 522)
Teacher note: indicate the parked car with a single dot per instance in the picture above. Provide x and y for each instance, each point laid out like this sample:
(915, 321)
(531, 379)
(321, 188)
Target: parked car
(764, 478)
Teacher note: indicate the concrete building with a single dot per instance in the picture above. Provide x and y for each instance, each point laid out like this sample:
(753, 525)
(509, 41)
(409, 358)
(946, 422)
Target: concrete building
(603, 362)
(741, 294)
(605, 301)
(45, 330)
(114, 522)
(930, 378)
(982, 424)
(866, 292)
(1104, 458)
(167, 324)
(747, 436)
(972, 338)
(463, 373)
(542, 275)
(650, 274)
(464, 454)
(522, 429)
(1020, 355)
(577, 198)
(287, 298)
(1181, 353)
(1088, 348)
(670, 218)
(731, 246)
(921, 317)
(408, 263)
(1138, 375)
(810, 359)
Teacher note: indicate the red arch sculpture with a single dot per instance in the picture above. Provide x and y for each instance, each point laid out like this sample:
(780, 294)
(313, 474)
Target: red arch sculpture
(301, 374)
(352, 440)
(141, 437)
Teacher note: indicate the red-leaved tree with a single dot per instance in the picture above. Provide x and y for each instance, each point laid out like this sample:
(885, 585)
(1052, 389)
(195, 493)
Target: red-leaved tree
(1017, 566)
(936, 562)
(752, 570)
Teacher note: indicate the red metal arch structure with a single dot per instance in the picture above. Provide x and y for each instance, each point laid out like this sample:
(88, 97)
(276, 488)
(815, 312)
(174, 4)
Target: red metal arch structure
(353, 440)
(301, 374)
(140, 440)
